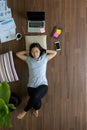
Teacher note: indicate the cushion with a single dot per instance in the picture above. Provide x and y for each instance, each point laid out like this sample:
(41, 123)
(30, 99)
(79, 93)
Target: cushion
(41, 39)
(7, 68)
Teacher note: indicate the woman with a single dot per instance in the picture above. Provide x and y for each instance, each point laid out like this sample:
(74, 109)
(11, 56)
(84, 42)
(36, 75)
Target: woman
(37, 59)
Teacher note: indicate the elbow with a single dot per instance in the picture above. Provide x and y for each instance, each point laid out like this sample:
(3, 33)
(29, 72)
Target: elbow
(55, 53)
(17, 54)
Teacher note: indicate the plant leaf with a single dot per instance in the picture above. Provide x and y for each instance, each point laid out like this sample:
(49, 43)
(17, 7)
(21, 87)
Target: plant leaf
(11, 106)
(3, 106)
(8, 121)
(2, 119)
(5, 91)
(1, 122)
(3, 111)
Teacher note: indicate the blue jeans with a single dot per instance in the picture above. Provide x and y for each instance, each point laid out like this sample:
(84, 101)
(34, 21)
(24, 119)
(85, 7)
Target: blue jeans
(35, 97)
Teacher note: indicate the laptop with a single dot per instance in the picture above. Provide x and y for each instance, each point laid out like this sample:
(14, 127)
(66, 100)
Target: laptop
(36, 21)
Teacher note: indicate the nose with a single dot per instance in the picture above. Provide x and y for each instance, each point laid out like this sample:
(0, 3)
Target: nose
(35, 54)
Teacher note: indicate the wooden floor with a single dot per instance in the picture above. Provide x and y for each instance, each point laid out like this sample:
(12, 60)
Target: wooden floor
(65, 105)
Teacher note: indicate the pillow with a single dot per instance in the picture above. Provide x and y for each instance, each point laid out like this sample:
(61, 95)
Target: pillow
(7, 68)
(41, 39)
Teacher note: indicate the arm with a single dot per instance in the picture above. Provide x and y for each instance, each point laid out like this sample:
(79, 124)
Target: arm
(22, 55)
(51, 54)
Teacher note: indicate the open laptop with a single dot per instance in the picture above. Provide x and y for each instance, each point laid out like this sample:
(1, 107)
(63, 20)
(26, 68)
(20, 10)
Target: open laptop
(36, 21)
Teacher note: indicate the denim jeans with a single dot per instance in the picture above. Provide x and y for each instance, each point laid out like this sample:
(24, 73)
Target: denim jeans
(35, 97)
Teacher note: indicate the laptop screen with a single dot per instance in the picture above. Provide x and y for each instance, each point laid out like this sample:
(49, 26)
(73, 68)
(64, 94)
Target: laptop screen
(36, 16)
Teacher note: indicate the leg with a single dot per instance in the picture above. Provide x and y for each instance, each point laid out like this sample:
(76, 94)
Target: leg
(23, 113)
(39, 93)
(36, 108)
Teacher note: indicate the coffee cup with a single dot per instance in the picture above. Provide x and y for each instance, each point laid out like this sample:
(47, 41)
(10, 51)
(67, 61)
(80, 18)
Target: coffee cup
(18, 36)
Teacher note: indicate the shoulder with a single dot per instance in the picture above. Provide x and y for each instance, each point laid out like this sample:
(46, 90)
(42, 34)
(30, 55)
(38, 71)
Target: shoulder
(28, 58)
(45, 56)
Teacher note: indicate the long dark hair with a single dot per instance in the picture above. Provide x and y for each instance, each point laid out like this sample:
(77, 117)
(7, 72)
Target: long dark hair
(42, 50)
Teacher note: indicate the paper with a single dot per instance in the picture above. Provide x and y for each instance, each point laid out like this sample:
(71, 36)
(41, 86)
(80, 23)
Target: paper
(7, 30)
(5, 14)
(42, 30)
(8, 35)
(7, 24)
(2, 5)
(56, 34)
(58, 31)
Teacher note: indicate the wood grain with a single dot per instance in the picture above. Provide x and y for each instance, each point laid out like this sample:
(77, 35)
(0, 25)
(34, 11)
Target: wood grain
(65, 105)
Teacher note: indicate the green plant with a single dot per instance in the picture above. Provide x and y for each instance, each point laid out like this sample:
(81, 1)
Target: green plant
(5, 106)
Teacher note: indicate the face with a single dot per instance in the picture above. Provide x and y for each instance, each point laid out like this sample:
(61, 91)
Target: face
(35, 52)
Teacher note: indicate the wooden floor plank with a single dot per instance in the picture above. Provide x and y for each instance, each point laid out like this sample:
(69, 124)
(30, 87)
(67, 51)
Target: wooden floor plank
(64, 107)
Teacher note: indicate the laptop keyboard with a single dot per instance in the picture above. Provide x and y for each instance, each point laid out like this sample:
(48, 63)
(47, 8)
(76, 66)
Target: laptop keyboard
(36, 24)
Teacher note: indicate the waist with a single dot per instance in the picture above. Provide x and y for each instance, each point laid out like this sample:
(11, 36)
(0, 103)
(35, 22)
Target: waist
(42, 85)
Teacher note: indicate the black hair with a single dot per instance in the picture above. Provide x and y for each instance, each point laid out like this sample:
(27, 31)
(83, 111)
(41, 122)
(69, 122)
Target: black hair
(42, 50)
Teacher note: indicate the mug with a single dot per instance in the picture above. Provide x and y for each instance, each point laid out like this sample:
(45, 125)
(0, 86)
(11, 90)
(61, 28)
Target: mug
(18, 36)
